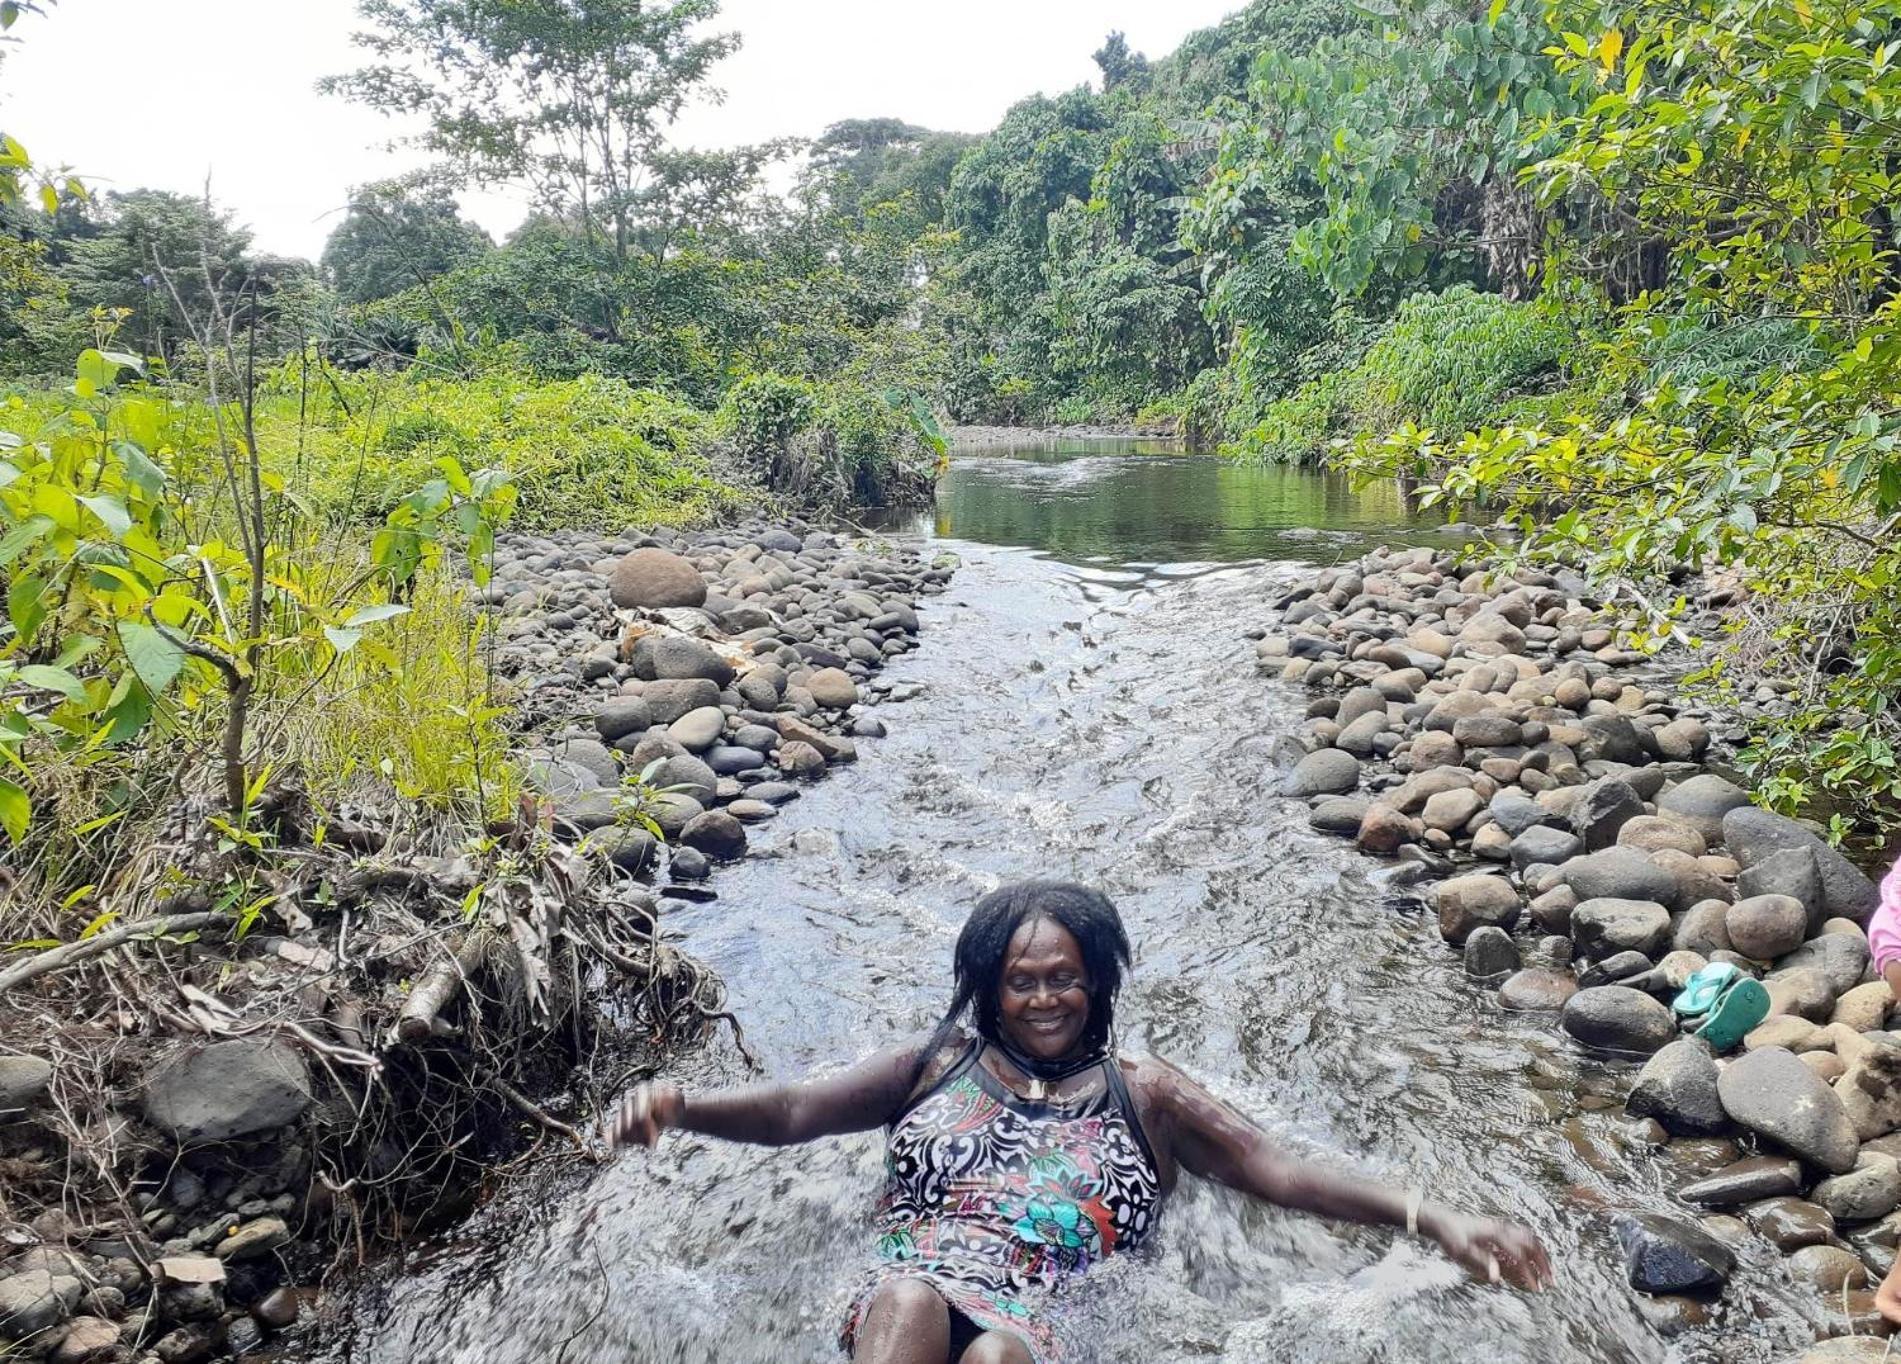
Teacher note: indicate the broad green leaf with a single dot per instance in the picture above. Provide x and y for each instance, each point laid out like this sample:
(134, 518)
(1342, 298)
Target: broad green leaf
(27, 534)
(140, 472)
(25, 605)
(111, 511)
(16, 811)
(53, 679)
(342, 640)
(156, 659)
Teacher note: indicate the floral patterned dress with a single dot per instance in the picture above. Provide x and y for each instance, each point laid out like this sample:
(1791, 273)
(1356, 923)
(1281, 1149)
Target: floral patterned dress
(996, 1201)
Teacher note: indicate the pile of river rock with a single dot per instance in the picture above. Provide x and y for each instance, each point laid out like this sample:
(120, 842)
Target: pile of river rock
(695, 679)
(1488, 728)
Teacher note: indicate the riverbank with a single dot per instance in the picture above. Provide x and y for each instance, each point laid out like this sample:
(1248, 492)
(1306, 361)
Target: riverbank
(998, 437)
(1490, 732)
(281, 1088)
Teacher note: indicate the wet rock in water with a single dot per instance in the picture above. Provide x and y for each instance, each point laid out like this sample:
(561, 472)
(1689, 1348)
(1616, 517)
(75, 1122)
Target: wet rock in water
(800, 759)
(1677, 1087)
(1753, 835)
(1324, 772)
(669, 698)
(1746, 1181)
(1384, 830)
(1790, 1223)
(1536, 988)
(630, 849)
(228, 1089)
(1600, 927)
(1774, 1095)
(650, 578)
(1340, 815)
(772, 792)
(1766, 926)
(1828, 1269)
(728, 761)
(1702, 801)
(1664, 1255)
(1870, 1089)
(1871, 1190)
(1792, 872)
(868, 727)
(1600, 815)
(277, 1309)
(1468, 902)
(1618, 1018)
(833, 688)
(1618, 874)
(715, 833)
(622, 716)
(751, 811)
(670, 658)
(22, 1080)
(688, 864)
(1490, 952)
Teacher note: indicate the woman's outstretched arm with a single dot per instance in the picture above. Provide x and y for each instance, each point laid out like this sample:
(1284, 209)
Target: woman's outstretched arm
(1211, 1139)
(856, 1099)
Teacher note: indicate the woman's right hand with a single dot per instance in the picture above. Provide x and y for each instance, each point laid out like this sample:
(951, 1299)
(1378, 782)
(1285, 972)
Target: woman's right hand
(646, 1112)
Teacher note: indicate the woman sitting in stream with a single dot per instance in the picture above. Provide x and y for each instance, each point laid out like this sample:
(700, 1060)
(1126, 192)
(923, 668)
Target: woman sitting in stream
(1022, 1149)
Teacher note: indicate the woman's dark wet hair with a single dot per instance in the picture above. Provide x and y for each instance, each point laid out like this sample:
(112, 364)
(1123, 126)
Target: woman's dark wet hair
(1092, 921)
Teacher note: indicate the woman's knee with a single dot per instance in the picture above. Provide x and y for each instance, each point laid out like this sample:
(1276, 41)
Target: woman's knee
(910, 1301)
(996, 1347)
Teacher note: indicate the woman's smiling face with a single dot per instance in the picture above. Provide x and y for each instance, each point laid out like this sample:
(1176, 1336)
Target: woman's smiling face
(1043, 991)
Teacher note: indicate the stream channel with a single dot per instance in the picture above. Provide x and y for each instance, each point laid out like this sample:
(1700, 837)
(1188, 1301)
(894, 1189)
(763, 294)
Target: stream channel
(1088, 706)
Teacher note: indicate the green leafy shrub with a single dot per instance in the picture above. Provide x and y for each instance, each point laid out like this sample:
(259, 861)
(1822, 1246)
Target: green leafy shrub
(835, 445)
(584, 452)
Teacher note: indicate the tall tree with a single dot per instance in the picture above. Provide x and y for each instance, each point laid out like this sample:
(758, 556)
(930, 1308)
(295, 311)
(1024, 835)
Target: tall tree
(572, 97)
(395, 237)
(1120, 65)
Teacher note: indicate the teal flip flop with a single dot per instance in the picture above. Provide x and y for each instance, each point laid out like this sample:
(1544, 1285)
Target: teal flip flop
(1701, 990)
(1739, 1011)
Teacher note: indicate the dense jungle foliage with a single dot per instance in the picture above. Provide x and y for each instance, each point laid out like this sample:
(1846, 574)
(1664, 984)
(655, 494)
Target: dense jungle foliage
(1622, 271)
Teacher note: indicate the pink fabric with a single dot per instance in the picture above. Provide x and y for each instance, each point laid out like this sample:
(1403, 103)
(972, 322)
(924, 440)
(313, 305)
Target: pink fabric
(1884, 926)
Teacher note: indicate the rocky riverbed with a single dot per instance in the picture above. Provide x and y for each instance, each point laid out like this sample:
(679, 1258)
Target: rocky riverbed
(177, 1178)
(1489, 731)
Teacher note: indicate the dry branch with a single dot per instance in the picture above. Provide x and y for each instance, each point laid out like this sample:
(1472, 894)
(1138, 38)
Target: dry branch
(57, 958)
(431, 995)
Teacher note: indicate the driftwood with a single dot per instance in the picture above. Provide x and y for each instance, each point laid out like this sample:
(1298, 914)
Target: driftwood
(431, 995)
(58, 958)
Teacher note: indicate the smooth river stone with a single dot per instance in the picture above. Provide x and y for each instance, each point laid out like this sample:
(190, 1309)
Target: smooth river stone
(1746, 1181)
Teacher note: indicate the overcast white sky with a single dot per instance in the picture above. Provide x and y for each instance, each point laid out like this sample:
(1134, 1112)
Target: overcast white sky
(137, 93)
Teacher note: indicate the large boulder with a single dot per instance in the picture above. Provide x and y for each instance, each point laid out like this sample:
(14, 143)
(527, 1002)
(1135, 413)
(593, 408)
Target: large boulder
(1777, 1097)
(1618, 874)
(1766, 926)
(715, 833)
(1619, 1018)
(1842, 958)
(1663, 1255)
(1465, 903)
(1871, 1190)
(1603, 926)
(650, 578)
(1600, 814)
(228, 1089)
(658, 657)
(1677, 1087)
(1326, 772)
(1702, 802)
(1870, 1089)
(1753, 835)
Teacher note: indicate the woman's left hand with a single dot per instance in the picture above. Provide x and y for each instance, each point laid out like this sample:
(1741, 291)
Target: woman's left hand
(1493, 1252)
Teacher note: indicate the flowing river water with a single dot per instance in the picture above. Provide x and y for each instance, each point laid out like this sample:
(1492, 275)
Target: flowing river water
(1088, 707)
